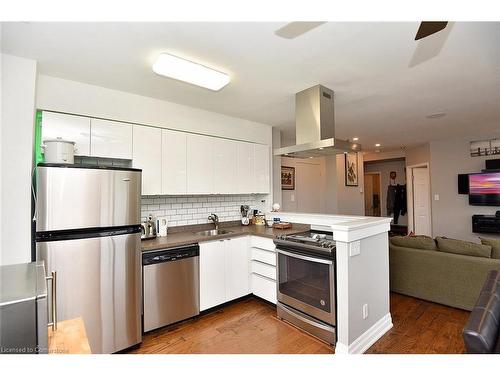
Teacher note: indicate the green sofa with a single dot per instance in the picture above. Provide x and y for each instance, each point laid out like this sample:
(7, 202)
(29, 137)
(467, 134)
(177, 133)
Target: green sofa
(432, 270)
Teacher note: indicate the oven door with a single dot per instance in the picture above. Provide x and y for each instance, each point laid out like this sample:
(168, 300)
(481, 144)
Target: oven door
(307, 283)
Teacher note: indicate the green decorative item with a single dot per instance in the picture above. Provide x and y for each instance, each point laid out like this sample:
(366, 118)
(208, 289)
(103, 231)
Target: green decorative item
(38, 156)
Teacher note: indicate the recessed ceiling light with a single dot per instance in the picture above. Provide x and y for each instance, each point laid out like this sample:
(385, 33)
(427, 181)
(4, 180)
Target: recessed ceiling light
(355, 139)
(436, 115)
(311, 157)
(377, 144)
(188, 71)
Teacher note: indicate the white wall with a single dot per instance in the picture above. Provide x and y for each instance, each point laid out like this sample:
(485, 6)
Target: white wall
(295, 200)
(418, 155)
(18, 113)
(452, 214)
(63, 95)
(385, 167)
(350, 199)
(337, 198)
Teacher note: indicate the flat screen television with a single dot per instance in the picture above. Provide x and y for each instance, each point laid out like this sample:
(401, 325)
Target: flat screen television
(484, 189)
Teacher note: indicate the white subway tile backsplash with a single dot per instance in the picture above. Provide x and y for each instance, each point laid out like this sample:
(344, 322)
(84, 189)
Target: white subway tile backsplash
(188, 210)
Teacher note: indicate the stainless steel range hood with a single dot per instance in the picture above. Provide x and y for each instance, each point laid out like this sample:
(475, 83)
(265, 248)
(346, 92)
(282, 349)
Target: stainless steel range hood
(315, 126)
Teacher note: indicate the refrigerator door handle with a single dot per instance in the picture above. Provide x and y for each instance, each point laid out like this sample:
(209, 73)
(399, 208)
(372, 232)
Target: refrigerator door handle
(53, 302)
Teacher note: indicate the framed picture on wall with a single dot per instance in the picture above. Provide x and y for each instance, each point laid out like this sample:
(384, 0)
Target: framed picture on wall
(287, 178)
(351, 169)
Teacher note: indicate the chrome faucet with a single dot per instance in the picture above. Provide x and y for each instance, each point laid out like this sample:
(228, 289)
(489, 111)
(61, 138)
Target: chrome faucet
(215, 219)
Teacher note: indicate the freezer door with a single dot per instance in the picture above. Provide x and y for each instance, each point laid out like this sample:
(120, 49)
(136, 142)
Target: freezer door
(73, 198)
(99, 280)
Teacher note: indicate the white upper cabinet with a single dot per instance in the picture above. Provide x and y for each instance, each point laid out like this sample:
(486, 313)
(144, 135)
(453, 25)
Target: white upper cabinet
(110, 139)
(200, 164)
(174, 162)
(261, 169)
(147, 156)
(226, 165)
(245, 170)
(68, 127)
(237, 268)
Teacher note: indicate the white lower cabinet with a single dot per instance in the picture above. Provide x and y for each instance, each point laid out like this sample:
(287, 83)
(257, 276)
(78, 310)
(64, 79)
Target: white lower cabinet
(264, 288)
(212, 274)
(237, 268)
(224, 271)
(263, 268)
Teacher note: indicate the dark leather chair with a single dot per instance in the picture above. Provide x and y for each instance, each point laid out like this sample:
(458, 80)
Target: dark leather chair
(481, 333)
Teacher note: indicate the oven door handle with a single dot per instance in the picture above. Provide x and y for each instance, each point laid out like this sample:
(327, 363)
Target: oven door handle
(304, 257)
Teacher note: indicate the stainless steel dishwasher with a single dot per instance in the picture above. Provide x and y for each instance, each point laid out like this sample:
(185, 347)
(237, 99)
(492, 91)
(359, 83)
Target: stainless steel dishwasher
(171, 285)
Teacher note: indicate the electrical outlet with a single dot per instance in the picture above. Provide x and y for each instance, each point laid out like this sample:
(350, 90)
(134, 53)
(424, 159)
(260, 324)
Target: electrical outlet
(436, 197)
(354, 248)
(365, 311)
(292, 197)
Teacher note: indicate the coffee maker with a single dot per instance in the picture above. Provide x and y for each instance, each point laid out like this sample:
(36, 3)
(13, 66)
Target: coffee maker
(245, 219)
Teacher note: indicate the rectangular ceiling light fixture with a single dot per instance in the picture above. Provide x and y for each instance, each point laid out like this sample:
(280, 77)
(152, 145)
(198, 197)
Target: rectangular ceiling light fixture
(188, 71)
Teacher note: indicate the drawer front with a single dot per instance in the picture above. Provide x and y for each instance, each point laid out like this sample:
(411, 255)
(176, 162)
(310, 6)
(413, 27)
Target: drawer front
(264, 256)
(262, 243)
(264, 288)
(264, 269)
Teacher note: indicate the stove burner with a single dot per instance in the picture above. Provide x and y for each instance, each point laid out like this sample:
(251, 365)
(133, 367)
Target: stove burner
(320, 240)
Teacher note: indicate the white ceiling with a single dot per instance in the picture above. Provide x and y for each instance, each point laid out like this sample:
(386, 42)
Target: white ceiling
(385, 83)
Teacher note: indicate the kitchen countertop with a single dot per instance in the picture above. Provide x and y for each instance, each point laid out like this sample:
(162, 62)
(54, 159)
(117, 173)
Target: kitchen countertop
(189, 237)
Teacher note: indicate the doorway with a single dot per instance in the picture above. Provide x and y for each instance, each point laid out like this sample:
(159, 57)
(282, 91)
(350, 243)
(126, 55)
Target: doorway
(372, 186)
(419, 200)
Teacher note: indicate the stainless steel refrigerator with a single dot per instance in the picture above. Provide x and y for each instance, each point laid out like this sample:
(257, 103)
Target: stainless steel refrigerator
(88, 232)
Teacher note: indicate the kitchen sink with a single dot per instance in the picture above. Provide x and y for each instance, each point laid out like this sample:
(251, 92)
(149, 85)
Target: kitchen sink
(213, 232)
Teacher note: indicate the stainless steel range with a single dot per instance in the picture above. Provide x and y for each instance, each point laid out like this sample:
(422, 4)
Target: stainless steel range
(306, 282)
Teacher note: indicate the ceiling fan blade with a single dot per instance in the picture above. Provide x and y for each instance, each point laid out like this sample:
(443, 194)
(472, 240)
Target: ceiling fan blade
(429, 27)
(294, 29)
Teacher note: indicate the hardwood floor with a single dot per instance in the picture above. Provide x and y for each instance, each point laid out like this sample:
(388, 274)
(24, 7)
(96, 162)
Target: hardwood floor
(422, 327)
(250, 326)
(246, 327)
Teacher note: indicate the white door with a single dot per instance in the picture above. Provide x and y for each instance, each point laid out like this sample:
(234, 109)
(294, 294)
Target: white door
(237, 268)
(174, 159)
(147, 156)
(421, 202)
(70, 128)
(261, 168)
(245, 180)
(226, 163)
(212, 274)
(200, 164)
(110, 139)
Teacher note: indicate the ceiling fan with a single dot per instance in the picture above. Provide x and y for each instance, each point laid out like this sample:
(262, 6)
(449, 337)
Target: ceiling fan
(293, 30)
(427, 28)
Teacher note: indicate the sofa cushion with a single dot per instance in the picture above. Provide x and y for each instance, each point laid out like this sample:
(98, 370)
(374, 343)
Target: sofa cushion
(415, 242)
(495, 246)
(449, 245)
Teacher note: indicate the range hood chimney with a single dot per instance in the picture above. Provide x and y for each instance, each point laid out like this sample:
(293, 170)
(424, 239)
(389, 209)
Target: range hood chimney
(315, 126)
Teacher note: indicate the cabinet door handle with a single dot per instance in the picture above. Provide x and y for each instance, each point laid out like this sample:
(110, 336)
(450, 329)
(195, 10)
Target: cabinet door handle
(53, 301)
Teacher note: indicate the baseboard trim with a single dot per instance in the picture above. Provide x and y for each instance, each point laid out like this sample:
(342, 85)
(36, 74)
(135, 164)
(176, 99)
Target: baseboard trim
(367, 339)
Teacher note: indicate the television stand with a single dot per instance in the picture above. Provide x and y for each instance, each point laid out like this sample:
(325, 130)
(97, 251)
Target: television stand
(485, 224)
